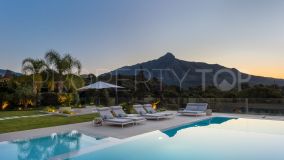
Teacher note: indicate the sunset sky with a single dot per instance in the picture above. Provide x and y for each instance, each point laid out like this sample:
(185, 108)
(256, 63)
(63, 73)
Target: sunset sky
(107, 34)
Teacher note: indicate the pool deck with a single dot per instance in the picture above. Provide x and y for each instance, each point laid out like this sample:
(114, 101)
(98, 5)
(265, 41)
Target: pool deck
(121, 133)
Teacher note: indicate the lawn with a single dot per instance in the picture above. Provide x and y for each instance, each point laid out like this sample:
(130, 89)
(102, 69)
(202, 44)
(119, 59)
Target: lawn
(18, 113)
(41, 122)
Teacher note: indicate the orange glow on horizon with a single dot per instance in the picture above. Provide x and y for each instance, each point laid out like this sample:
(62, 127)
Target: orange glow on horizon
(253, 62)
(266, 72)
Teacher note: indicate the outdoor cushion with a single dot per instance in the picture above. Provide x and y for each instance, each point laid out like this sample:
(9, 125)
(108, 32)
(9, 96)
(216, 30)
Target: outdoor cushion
(196, 107)
(119, 120)
(122, 115)
(149, 109)
(107, 117)
(139, 109)
(118, 111)
(135, 118)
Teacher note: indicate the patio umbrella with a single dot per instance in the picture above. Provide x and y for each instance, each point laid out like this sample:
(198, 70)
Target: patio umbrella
(100, 85)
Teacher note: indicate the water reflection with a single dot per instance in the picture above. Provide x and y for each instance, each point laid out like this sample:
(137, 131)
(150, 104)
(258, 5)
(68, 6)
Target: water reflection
(214, 120)
(46, 147)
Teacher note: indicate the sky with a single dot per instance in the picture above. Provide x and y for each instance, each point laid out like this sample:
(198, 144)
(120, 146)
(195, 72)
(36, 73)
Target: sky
(108, 34)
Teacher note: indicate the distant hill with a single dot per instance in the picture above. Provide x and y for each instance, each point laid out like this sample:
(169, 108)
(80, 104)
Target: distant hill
(7, 72)
(2, 72)
(174, 69)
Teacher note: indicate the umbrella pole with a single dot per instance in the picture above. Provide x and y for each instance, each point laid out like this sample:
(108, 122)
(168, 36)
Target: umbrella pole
(116, 97)
(99, 97)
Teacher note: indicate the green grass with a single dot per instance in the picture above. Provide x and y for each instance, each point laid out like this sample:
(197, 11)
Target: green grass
(17, 113)
(41, 122)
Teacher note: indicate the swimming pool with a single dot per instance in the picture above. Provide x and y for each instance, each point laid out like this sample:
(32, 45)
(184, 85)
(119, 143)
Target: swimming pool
(218, 138)
(46, 147)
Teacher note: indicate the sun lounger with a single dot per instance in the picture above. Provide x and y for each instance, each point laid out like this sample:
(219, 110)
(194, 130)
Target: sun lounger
(194, 109)
(119, 113)
(107, 117)
(149, 109)
(153, 116)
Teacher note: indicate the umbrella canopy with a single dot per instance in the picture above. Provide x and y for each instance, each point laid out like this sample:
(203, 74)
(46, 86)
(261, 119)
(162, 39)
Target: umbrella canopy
(99, 85)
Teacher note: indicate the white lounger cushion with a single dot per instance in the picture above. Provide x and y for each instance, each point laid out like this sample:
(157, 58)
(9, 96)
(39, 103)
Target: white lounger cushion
(118, 111)
(194, 109)
(108, 117)
(140, 110)
(105, 113)
(118, 120)
(135, 118)
(149, 109)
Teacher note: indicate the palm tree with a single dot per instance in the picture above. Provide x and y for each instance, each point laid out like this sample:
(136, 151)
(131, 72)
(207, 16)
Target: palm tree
(34, 67)
(63, 65)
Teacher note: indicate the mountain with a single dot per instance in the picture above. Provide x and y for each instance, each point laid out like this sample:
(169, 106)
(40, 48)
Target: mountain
(187, 74)
(8, 73)
(2, 72)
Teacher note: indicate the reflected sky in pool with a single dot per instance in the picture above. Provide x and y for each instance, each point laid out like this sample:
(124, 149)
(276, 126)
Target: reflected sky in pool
(224, 139)
(45, 147)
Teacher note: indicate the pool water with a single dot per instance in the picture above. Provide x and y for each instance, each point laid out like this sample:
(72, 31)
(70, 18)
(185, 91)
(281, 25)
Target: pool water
(216, 138)
(46, 147)
(217, 120)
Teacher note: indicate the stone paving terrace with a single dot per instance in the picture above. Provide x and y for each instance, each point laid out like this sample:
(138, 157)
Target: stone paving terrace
(117, 132)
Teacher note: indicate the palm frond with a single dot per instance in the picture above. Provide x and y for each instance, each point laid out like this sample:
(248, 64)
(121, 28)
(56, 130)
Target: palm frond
(28, 69)
(77, 65)
(39, 65)
(63, 64)
(52, 56)
(27, 60)
(34, 66)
